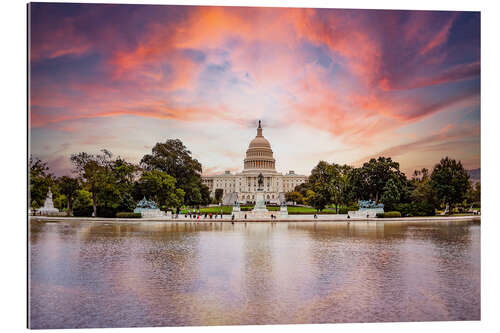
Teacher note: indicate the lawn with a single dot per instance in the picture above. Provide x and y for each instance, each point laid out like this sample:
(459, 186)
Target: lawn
(291, 210)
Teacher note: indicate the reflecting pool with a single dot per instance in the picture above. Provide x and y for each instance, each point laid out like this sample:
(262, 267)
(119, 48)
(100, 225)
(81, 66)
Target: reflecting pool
(85, 274)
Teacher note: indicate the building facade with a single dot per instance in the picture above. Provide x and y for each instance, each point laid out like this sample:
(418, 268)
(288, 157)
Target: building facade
(242, 186)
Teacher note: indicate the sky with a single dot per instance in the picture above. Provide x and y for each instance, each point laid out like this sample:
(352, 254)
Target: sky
(328, 84)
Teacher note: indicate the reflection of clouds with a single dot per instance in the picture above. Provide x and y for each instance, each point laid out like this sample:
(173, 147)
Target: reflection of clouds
(209, 273)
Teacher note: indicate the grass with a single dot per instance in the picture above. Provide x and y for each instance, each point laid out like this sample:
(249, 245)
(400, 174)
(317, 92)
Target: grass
(227, 210)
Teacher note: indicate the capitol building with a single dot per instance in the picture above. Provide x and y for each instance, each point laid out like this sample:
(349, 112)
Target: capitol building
(243, 186)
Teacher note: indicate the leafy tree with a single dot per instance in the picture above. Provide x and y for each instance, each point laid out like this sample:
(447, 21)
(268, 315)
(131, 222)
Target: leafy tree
(316, 200)
(218, 194)
(474, 193)
(450, 181)
(320, 183)
(94, 173)
(423, 193)
(302, 188)
(175, 159)
(341, 188)
(294, 196)
(392, 194)
(69, 187)
(176, 199)
(127, 203)
(331, 184)
(376, 173)
(82, 205)
(205, 194)
(39, 181)
(160, 187)
(120, 181)
(358, 185)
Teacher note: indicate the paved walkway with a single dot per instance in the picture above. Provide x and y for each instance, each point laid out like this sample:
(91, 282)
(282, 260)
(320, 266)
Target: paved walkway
(291, 218)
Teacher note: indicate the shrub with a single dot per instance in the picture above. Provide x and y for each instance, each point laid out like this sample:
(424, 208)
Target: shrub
(127, 215)
(82, 211)
(416, 209)
(106, 211)
(389, 214)
(392, 214)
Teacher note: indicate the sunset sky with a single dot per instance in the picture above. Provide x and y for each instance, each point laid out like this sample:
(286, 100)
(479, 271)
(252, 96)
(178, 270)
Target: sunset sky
(335, 85)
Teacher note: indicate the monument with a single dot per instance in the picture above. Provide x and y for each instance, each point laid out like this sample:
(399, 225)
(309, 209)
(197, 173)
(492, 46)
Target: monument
(148, 208)
(367, 208)
(283, 209)
(48, 206)
(260, 201)
(242, 186)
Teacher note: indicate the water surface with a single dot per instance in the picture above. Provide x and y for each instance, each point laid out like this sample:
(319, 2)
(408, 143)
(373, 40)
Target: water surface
(85, 274)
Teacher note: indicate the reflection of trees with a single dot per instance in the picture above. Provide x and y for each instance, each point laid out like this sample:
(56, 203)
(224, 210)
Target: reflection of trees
(456, 255)
(126, 274)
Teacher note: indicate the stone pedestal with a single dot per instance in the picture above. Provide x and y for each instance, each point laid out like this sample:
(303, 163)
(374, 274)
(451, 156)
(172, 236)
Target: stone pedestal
(152, 212)
(260, 202)
(48, 206)
(365, 212)
(283, 211)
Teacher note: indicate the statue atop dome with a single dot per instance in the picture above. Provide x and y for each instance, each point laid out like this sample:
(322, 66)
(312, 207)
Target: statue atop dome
(259, 130)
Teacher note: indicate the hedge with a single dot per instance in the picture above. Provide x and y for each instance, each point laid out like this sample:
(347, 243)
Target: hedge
(416, 209)
(128, 215)
(83, 211)
(389, 214)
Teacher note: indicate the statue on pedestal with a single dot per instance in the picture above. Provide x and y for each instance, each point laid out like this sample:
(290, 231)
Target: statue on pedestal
(48, 206)
(260, 180)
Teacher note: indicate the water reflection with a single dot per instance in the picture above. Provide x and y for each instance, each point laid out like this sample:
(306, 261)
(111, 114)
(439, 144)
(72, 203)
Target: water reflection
(165, 274)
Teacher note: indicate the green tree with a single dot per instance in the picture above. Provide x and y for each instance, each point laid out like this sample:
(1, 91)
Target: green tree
(69, 187)
(302, 188)
(175, 159)
(94, 172)
(330, 183)
(82, 205)
(294, 196)
(392, 194)
(120, 176)
(39, 181)
(320, 183)
(450, 181)
(375, 174)
(176, 198)
(341, 189)
(474, 193)
(422, 190)
(160, 187)
(205, 194)
(218, 194)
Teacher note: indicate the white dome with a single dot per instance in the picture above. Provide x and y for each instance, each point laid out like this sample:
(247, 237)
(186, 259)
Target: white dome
(259, 156)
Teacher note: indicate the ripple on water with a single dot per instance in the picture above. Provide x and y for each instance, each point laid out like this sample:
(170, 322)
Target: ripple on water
(118, 275)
